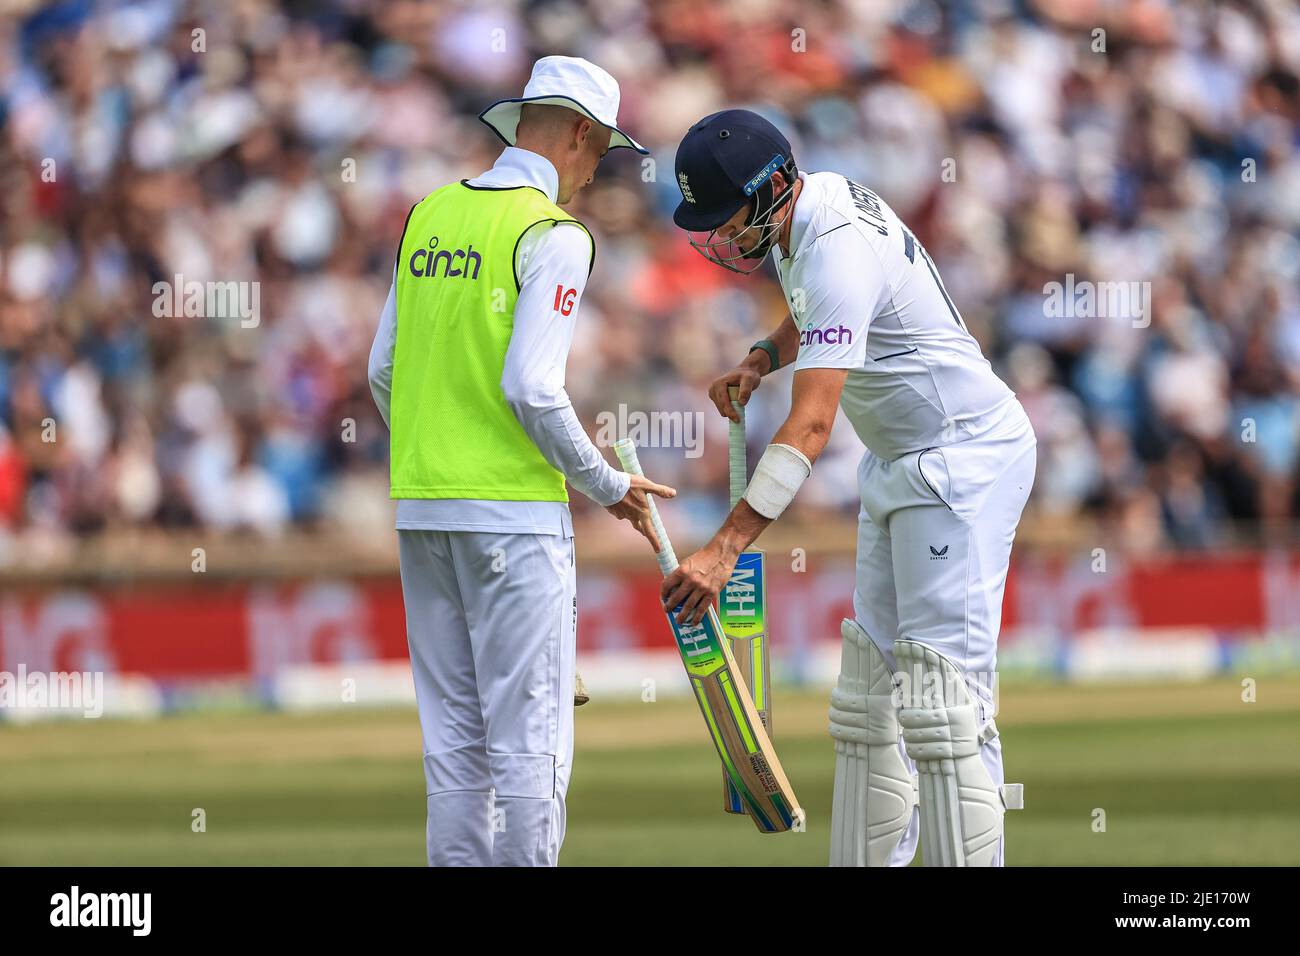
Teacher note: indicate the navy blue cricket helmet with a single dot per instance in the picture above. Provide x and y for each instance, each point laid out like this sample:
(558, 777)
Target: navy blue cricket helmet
(725, 162)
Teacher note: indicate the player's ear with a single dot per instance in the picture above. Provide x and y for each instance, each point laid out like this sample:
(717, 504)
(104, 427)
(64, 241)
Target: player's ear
(583, 130)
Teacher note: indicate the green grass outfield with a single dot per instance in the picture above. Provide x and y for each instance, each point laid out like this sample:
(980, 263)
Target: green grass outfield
(1186, 774)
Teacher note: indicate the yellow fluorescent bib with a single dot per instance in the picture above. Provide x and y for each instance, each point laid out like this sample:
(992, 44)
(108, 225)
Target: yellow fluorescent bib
(452, 433)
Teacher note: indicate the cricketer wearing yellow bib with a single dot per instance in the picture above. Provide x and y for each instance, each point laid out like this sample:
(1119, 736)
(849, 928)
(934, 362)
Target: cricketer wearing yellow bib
(467, 369)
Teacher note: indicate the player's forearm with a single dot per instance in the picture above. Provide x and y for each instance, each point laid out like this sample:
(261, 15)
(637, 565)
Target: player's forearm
(531, 385)
(740, 530)
(814, 401)
(558, 435)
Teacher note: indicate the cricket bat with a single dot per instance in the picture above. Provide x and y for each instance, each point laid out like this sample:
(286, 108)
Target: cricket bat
(742, 606)
(747, 756)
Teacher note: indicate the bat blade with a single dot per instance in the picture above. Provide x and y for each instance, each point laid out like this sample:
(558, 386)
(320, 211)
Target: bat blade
(742, 611)
(748, 758)
(752, 768)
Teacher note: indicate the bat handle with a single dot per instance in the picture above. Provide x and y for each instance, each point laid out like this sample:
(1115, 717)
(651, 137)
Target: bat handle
(736, 449)
(625, 449)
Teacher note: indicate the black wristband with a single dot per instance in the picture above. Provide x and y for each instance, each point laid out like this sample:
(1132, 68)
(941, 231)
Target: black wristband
(767, 346)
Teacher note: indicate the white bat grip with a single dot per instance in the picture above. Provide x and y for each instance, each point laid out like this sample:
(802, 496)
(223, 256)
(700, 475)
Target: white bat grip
(625, 449)
(736, 450)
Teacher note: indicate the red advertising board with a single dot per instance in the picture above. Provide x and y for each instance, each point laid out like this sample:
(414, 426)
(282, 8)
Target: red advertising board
(177, 633)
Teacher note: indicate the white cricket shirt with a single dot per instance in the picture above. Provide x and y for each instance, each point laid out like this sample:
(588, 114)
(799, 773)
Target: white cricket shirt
(866, 297)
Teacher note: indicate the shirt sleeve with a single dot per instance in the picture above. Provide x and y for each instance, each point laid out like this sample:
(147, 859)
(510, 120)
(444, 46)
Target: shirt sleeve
(380, 367)
(553, 264)
(843, 287)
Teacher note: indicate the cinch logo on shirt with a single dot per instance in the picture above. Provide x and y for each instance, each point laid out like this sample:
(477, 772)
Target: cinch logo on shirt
(424, 263)
(836, 336)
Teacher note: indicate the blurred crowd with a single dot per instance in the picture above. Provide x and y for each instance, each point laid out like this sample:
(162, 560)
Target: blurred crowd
(161, 143)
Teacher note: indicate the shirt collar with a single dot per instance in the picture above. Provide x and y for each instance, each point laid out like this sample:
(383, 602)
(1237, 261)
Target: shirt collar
(804, 207)
(523, 167)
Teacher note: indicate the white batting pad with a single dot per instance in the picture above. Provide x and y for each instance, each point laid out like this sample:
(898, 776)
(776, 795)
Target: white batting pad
(874, 792)
(961, 806)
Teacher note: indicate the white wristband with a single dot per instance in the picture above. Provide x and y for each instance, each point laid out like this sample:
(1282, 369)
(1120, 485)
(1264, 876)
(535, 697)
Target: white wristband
(780, 472)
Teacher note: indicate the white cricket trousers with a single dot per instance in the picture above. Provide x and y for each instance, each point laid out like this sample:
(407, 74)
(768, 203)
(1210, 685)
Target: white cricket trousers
(490, 622)
(934, 543)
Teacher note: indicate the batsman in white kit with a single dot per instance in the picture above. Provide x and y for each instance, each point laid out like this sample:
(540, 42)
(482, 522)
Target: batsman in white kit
(467, 369)
(949, 465)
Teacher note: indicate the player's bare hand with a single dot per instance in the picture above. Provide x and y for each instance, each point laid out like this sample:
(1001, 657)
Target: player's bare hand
(635, 506)
(743, 378)
(696, 583)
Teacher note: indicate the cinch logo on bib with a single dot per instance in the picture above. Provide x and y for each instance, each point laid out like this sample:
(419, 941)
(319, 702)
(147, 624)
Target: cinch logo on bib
(425, 263)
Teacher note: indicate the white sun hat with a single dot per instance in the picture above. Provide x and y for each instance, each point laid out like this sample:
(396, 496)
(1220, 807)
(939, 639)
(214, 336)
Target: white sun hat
(564, 81)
